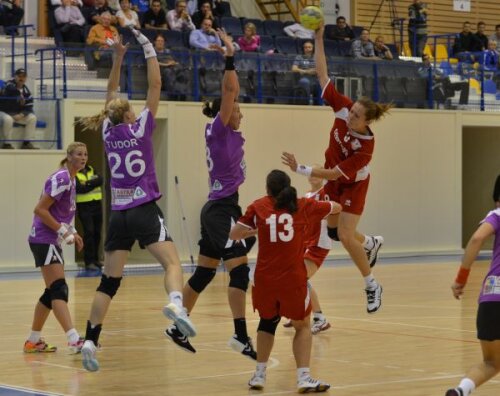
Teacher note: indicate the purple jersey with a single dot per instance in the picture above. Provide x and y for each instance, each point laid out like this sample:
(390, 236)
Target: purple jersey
(129, 148)
(62, 189)
(491, 284)
(226, 165)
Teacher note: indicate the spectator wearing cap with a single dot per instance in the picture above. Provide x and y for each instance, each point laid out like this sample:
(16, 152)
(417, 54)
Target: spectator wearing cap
(11, 14)
(17, 106)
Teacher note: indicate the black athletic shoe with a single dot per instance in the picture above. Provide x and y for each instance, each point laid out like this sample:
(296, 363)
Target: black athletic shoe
(454, 392)
(246, 349)
(179, 339)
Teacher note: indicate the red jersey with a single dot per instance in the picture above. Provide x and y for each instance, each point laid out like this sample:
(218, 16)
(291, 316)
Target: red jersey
(280, 261)
(349, 151)
(317, 233)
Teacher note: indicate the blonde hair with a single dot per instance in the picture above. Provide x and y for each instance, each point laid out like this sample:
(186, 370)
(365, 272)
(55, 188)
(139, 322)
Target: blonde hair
(252, 28)
(374, 110)
(115, 111)
(70, 150)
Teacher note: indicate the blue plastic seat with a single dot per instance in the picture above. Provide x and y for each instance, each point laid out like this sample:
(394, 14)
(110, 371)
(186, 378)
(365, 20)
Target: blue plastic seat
(173, 39)
(232, 25)
(286, 45)
(274, 28)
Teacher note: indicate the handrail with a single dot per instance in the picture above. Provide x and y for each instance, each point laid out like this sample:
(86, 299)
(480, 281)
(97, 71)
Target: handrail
(13, 30)
(54, 58)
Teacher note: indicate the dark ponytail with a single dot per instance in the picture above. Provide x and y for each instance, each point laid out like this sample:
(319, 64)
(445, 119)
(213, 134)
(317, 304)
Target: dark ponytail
(278, 186)
(211, 110)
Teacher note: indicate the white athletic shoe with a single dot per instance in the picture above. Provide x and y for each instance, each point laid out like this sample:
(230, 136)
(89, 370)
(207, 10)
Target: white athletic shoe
(245, 349)
(374, 299)
(180, 319)
(312, 385)
(257, 381)
(89, 360)
(372, 254)
(319, 325)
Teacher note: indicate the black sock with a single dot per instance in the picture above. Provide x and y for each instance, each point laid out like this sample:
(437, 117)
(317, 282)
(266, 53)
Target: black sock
(93, 334)
(240, 328)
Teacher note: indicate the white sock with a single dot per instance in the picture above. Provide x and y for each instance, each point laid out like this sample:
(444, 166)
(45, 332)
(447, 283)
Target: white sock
(370, 282)
(176, 298)
(261, 368)
(368, 244)
(72, 335)
(303, 372)
(318, 315)
(35, 336)
(467, 385)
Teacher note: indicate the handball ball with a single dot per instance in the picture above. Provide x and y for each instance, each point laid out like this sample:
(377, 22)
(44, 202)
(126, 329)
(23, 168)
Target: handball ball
(311, 17)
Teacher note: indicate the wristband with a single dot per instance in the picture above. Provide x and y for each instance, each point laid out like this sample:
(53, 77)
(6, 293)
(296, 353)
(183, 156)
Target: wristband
(63, 230)
(304, 170)
(462, 276)
(141, 39)
(149, 51)
(229, 63)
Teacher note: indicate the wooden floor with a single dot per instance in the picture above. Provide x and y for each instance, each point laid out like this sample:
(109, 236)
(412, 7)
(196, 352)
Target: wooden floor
(419, 344)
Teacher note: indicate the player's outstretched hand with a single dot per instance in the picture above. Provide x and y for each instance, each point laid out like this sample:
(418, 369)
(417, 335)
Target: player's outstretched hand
(457, 290)
(227, 40)
(289, 160)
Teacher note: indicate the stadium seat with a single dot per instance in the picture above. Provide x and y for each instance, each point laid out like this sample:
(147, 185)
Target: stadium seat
(344, 48)
(357, 30)
(330, 48)
(441, 53)
(173, 39)
(274, 28)
(286, 45)
(475, 85)
(232, 25)
(266, 44)
(490, 87)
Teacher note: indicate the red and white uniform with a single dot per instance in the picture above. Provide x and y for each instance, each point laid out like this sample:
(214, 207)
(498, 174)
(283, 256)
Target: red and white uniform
(280, 275)
(348, 151)
(317, 244)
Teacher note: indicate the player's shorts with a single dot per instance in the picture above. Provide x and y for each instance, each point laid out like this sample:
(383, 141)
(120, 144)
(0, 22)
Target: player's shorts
(144, 223)
(351, 196)
(488, 321)
(217, 217)
(316, 254)
(46, 254)
(293, 302)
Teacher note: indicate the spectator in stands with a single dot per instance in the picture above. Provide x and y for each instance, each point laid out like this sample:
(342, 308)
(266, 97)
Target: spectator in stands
(495, 36)
(71, 23)
(304, 67)
(205, 11)
(205, 38)
(77, 3)
(174, 77)
(11, 14)
(465, 44)
(140, 6)
(17, 106)
(382, 51)
(417, 27)
(491, 56)
(442, 87)
(221, 8)
(296, 30)
(179, 18)
(481, 42)
(95, 13)
(250, 41)
(155, 17)
(341, 31)
(362, 48)
(127, 17)
(100, 36)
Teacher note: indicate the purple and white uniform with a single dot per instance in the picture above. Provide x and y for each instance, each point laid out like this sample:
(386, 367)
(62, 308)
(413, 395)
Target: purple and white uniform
(62, 189)
(491, 285)
(226, 165)
(129, 148)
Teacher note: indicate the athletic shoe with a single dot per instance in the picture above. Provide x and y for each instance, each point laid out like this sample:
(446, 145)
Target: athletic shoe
(312, 385)
(76, 347)
(245, 349)
(288, 323)
(38, 347)
(89, 360)
(372, 254)
(179, 339)
(180, 318)
(374, 298)
(454, 392)
(257, 381)
(319, 325)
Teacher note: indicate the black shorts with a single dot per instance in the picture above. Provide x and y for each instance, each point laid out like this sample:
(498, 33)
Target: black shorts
(488, 321)
(46, 254)
(217, 218)
(143, 223)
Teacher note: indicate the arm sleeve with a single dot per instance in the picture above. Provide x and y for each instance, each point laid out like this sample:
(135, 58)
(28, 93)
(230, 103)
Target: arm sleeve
(56, 185)
(351, 165)
(248, 219)
(334, 99)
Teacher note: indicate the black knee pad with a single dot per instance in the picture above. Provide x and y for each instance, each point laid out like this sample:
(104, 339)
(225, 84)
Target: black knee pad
(269, 325)
(59, 290)
(238, 277)
(249, 242)
(201, 278)
(109, 285)
(332, 233)
(45, 299)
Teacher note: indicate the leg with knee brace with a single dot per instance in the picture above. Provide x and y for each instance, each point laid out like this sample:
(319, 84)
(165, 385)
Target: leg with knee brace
(238, 277)
(201, 278)
(333, 233)
(46, 299)
(109, 285)
(59, 290)
(269, 325)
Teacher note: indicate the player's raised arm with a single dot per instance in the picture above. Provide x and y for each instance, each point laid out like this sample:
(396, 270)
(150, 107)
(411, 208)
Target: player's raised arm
(230, 84)
(114, 75)
(319, 56)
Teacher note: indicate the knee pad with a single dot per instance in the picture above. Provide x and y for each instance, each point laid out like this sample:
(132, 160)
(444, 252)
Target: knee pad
(201, 278)
(59, 290)
(332, 233)
(109, 285)
(45, 299)
(269, 325)
(249, 242)
(238, 277)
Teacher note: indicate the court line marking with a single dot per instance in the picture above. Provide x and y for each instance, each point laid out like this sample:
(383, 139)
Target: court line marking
(34, 391)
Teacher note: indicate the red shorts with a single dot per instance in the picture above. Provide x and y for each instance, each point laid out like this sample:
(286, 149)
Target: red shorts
(351, 195)
(292, 302)
(316, 254)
